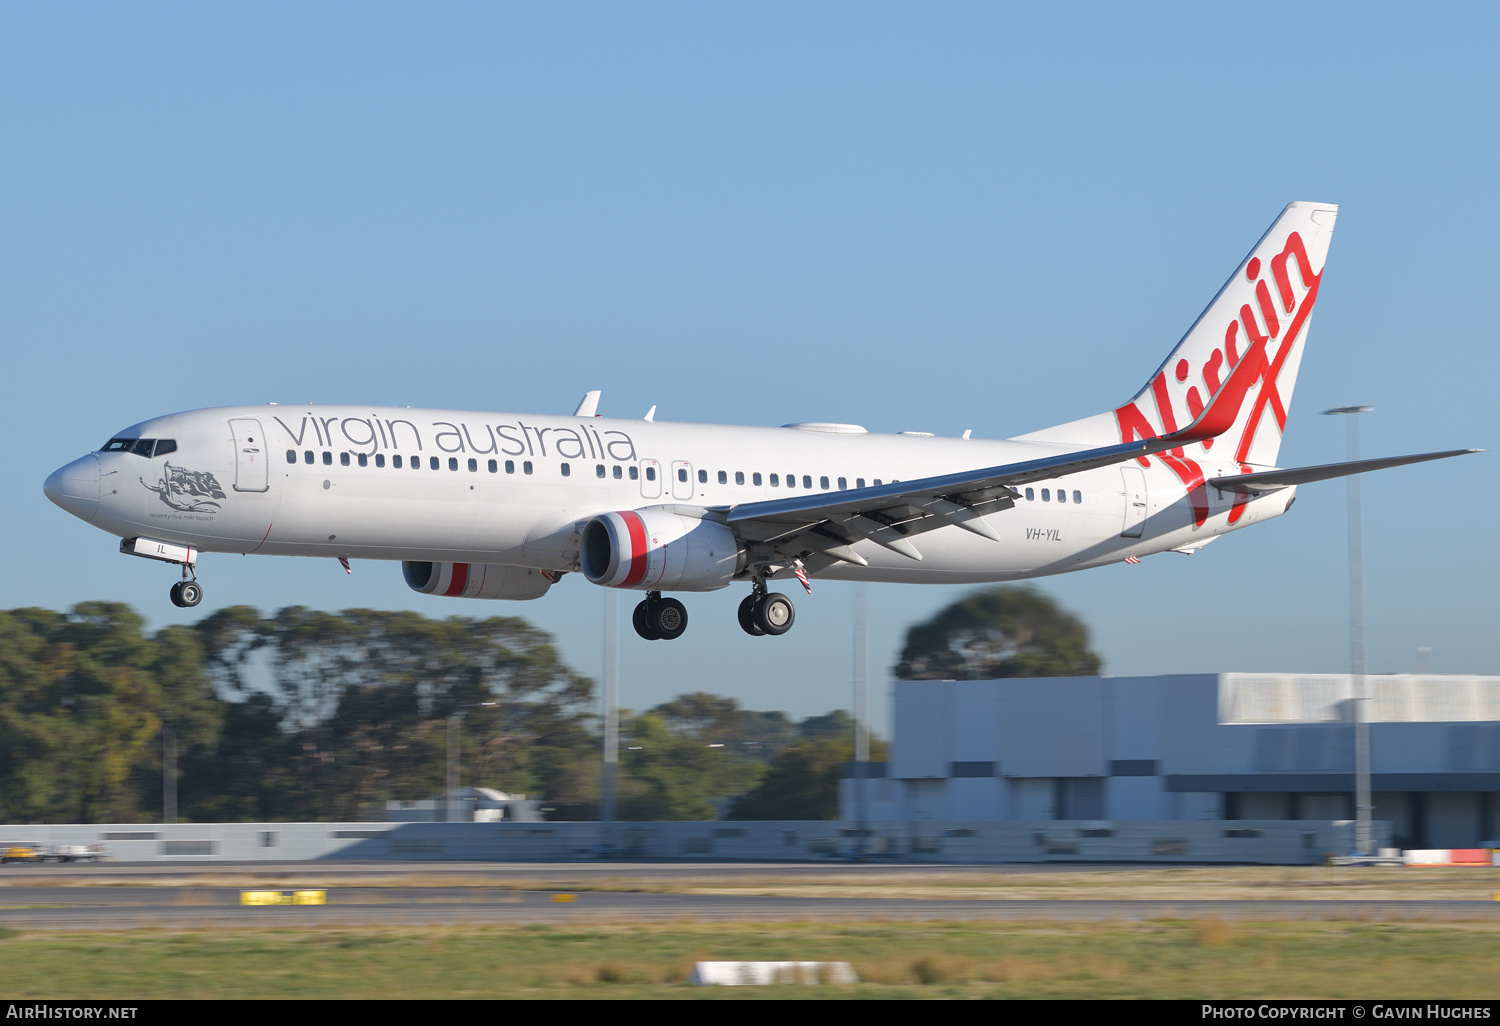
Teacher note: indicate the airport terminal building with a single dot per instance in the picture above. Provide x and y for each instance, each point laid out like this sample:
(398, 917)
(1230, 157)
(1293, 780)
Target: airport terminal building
(1226, 746)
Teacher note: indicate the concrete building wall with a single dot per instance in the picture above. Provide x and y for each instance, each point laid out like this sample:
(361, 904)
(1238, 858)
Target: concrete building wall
(1200, 747)
(924, 841)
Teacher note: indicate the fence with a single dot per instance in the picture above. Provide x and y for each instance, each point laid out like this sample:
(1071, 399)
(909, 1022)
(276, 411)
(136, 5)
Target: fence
(1279, 842)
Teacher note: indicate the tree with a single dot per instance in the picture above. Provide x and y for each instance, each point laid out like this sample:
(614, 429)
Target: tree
(803, 781)
(998, 632)
(83, 696)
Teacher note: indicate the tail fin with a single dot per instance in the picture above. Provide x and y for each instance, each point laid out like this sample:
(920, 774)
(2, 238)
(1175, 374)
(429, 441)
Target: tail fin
(1268, 301)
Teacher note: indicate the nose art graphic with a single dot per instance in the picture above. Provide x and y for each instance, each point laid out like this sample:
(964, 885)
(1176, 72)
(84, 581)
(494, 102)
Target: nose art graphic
(75, 487)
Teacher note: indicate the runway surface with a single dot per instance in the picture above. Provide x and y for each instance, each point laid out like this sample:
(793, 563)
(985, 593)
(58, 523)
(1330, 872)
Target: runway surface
(188, 897)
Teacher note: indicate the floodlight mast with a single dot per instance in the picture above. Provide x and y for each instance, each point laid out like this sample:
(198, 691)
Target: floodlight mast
(861, 713)
(1362, 798)
(455, 722)
(611, 717)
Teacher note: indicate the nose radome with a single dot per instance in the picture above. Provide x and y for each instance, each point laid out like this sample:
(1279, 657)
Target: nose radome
(75, 487)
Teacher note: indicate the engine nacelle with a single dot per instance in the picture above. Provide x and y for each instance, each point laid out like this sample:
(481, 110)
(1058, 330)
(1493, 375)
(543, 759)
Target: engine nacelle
(658, 549)
(476, 580)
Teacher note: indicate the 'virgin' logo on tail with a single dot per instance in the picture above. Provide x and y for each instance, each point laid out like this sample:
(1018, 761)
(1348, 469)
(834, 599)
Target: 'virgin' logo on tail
(1255, 329)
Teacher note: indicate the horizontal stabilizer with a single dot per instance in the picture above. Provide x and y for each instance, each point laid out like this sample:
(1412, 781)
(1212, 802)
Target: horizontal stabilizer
(1271, 480)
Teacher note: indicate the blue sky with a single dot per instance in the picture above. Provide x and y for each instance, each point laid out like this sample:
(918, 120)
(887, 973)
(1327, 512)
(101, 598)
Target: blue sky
(907, 216)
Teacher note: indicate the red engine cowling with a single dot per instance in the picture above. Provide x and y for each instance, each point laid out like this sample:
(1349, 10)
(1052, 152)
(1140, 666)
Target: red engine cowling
(476, 580)
(658, 549)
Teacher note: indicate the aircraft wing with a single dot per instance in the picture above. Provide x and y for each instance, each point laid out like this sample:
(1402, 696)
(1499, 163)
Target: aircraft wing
(886, 514)
(820, 528)
(1271, 480)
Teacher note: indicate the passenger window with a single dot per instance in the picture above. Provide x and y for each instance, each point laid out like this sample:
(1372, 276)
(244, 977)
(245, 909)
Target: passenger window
(682, 473)
(599, 470)
(364, 461)
(703, 477)
(1030, 495)
(327, 459)
(1077, 496)
(620, 473)
(877, 482)
(723, 477)
(635, 473)
(1046, 495)
(526, 467)
(822, 483)
(650, 473)
(739, 477)
(343, 459)
(775, 481)
(416, 462)
(791, 480)
(473, 466)
(166, 445)
(434, 463)
(510, 466)
(567, 468)
(494, 467)
(1062, 495)
(755, 479)
(380, 459)
(396, 461)
(859, 482)
(291, 455)
(843, 483)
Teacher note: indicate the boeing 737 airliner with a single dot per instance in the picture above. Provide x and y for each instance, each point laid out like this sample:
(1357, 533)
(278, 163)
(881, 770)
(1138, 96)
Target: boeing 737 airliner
(499, 506)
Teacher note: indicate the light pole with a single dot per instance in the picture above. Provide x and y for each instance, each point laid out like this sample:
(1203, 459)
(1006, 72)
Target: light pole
(611, 715)
(861, 712)
(168, 775)
(455, 719)
(1362, 803)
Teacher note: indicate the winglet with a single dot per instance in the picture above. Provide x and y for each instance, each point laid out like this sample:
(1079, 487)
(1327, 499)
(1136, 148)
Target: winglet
(1223, 407)
(590, 404)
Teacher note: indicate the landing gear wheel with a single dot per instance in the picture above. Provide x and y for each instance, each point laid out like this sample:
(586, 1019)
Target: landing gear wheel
(747, 616)
(176, 595)
(774, 614)
(641, 621)
(190, 592)
(668, 618)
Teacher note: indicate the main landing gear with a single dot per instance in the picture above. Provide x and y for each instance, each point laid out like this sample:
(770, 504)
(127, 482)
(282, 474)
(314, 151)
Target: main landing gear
(659, 619)
(765, 612)
(663, 619)
(187, 592)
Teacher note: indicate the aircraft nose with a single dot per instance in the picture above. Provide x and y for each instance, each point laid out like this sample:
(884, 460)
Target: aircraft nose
(75, 487)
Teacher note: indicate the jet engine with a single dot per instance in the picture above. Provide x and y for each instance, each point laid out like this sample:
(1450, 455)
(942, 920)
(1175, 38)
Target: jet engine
(658, 549)
(476, 580)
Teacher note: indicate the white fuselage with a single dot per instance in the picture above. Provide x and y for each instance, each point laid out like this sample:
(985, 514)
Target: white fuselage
(516, 490)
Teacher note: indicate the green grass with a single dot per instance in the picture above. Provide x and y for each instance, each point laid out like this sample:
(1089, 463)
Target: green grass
(1160, 959)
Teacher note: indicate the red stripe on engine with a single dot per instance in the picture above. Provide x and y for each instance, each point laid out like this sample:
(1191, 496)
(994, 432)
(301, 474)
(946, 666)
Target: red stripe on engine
(460, 578)
(637, 550)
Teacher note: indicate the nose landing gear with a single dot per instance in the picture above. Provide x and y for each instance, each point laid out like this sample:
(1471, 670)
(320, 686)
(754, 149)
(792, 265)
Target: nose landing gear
(659, 619)
(187, 592)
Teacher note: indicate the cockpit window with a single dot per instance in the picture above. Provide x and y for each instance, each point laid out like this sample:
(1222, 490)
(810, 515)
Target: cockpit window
(146, 447)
